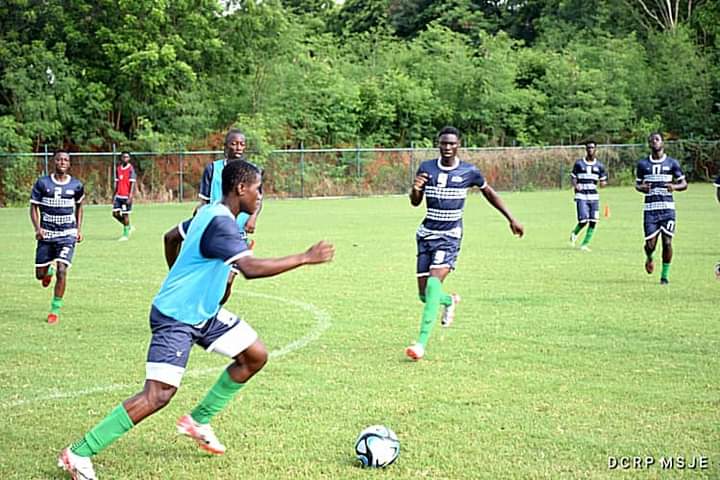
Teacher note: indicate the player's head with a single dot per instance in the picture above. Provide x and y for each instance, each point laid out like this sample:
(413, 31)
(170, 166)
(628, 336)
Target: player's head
(448, 142)
(243, 179)
(62, 161)
(590, 148)
(125, 157)
(234, 144)
(656, 141)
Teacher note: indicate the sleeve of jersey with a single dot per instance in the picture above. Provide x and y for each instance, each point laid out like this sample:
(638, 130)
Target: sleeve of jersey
(639, 175)
(222, 239)
(206, 182)
(80, 193)
(677, 171)
(133, 175)
(478, 179)
(574, 171)
(183, 227)
(603, 173)
(36, 193)
(717, 182)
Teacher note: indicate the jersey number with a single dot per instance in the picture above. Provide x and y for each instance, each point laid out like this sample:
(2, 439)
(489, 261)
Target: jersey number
(58, 192)
(656, 169)
(442, 180)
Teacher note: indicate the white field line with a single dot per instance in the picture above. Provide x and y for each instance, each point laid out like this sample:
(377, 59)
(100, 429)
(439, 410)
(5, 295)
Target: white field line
(322, 323)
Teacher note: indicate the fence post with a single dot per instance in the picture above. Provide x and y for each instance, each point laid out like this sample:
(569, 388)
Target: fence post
(114, 169)
(182, 162)
(357, 160)
(412, 162)
(302, 169)
(45, 169)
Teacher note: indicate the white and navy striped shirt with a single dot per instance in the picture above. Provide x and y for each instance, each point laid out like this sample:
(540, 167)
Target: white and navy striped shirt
(587, 176)
(57, 202)
(657, 173)
(445, 194)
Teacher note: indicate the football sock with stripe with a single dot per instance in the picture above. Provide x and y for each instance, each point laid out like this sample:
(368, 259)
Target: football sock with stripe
(126, 230)
(433, 293)
(665, 271)
(112, 427)
(588, 235)
(216, 399)
(55, 305)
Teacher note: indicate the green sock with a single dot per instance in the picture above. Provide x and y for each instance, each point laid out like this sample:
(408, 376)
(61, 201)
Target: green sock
(578, 227)
(665, 270)
(433, 292)
(445, 299)
(126, 230)
(112, 427)
(588, 235)
(55, 305)
(216, 399)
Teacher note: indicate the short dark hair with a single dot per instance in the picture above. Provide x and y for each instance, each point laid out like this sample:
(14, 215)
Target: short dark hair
(449, 130)
(236, 172)
(231, 132)
(124, 152)
(588, 142)
(58, 151)
(656, 133)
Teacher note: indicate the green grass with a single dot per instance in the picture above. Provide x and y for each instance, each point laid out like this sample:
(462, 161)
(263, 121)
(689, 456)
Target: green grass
(557, 360)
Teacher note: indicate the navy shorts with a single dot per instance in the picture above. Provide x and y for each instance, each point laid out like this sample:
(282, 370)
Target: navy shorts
(122, 205)
(654, 224)
(436, 253)
(587, 210)
(172, 340)
(60, 250)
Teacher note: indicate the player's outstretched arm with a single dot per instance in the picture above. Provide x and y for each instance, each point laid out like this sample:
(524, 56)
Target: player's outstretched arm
(497, 202)
(252, 267)
(173, 241)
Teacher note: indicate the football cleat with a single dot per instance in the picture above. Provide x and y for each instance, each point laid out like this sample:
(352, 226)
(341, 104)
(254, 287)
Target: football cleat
(585, 248)
(123, 239)
(52, 318)
(573, 238)
(415, 352)
(664, 281)
(649, 266)
(79, 468)
(448, 315)
(202, 434)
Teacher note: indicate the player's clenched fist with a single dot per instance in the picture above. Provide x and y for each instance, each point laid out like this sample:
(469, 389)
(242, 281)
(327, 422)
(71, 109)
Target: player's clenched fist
(420, 180)
(320, 252)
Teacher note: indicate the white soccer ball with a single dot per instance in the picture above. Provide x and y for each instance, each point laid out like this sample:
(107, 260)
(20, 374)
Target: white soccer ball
(377, 446)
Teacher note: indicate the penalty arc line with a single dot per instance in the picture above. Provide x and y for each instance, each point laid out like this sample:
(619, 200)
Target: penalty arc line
(322, 323)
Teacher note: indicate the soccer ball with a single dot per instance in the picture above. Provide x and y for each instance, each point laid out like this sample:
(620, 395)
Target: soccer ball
(717, 271)
(377, 446)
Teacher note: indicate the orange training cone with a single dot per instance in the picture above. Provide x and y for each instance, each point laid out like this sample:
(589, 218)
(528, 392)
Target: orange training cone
(606, 211)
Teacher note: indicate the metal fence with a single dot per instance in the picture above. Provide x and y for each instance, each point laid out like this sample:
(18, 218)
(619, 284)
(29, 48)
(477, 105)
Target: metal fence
(175, 176)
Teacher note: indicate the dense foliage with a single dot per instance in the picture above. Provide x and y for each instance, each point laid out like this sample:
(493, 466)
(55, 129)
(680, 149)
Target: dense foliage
(158, 74)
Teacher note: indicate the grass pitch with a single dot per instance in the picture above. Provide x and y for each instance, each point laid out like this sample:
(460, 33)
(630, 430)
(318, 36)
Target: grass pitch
(559, 360)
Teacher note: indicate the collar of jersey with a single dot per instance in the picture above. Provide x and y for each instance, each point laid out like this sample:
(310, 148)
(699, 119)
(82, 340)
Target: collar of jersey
(659, 160)
(452, 167)
(57, 182)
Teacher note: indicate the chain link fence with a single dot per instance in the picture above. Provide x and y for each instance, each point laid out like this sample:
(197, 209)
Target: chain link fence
(175, 176)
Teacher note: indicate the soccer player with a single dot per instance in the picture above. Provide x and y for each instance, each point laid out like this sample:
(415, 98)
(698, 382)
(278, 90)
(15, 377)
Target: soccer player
(187, 311)
(56, 214)
(586, 175)
(444, 182)
(657, 177)
(124, 188)
(210, 184)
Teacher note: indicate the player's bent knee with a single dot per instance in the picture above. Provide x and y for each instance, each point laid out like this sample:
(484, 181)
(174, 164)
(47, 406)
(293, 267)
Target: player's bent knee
(254, 357)
(158, 394)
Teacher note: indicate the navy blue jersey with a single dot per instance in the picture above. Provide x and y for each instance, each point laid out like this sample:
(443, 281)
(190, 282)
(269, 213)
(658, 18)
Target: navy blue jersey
(57, 202)
(588, 175)
(209, 192)
(717, 181)
(657, 173)
(445, 194)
